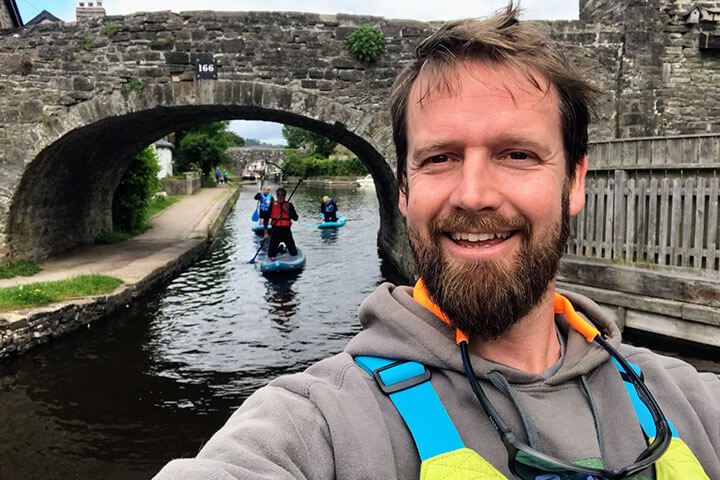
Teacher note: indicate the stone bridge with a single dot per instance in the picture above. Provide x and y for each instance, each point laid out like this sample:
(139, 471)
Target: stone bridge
(77, 101)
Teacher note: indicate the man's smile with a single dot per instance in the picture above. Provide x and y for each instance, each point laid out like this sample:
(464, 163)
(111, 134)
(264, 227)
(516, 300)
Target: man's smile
(479, 238)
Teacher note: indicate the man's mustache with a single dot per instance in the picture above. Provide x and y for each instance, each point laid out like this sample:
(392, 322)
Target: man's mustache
(461, 221)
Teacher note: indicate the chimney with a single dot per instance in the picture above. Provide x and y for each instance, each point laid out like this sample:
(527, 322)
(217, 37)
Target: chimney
(92, 10)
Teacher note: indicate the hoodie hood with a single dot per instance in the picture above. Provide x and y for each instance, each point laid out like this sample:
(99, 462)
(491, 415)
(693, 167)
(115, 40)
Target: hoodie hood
(396, 326)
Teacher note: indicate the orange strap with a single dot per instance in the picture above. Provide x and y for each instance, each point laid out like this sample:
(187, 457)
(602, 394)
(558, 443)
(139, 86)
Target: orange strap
(582, 326)
(422, 297)
(562, 305)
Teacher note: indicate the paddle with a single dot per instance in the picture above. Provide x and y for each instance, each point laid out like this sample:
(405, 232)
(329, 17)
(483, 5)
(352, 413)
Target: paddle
(252, 260)
(256, 214)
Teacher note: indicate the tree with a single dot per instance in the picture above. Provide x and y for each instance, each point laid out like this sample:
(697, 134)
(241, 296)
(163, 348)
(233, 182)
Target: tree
(133, 194)
(297, 137)
(204, 146)
(237, 140)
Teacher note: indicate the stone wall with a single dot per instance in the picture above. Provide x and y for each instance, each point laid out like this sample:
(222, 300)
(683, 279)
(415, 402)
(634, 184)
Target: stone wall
(182, 186)
(689, 76)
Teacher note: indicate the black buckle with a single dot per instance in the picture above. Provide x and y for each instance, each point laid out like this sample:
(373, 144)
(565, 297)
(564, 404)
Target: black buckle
(399, 386)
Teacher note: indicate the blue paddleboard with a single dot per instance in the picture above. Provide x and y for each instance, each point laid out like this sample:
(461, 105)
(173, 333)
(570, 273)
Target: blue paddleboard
(284, 263)
(340, 222)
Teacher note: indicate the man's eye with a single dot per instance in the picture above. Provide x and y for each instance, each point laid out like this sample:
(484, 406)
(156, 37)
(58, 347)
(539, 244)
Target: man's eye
(518, 155)
(438, 159)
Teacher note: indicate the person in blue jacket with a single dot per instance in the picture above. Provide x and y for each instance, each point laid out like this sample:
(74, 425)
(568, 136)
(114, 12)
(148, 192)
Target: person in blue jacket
(266, 199)
(328, 209)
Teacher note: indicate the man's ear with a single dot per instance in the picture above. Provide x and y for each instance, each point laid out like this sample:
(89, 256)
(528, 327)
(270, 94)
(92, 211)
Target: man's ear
(577, 187)
(402, 200)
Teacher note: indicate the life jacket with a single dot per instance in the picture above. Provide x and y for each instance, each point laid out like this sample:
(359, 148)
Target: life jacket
(280, 214)
(329, 207)
(266, 200)
(443, 454)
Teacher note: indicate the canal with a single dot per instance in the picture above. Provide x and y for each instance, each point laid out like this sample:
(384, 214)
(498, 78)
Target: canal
(153, 381)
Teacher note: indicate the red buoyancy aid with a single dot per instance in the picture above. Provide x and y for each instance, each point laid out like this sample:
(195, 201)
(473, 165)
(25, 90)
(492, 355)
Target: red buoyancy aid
(281, 214)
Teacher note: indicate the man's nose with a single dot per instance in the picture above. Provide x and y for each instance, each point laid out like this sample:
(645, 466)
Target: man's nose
(478, 186)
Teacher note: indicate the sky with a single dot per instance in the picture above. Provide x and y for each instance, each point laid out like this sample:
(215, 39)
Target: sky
(399, 9)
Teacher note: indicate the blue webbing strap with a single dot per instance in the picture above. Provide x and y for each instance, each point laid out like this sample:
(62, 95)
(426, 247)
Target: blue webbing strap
(419, 406)
(641, 410)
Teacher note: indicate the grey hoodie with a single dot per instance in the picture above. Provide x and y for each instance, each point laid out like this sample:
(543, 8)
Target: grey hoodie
(332, 421)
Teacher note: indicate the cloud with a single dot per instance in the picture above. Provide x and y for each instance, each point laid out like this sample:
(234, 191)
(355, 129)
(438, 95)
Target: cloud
(267, 132)
(405, 9)
(402, 9)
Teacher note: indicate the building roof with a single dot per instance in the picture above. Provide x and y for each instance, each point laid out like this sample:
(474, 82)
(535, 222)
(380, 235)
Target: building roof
(163, 143)
(43, 17)
(14, 13)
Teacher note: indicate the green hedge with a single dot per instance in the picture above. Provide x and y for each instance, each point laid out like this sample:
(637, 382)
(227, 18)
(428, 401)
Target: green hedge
(316, 166)
(132, 196)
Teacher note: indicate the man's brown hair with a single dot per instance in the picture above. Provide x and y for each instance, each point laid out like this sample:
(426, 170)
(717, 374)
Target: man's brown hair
(503, 40)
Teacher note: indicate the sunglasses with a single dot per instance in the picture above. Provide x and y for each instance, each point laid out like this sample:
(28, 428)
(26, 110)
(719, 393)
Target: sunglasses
(526, 463)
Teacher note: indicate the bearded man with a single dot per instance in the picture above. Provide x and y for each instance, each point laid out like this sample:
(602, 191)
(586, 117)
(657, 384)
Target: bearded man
(482, 369)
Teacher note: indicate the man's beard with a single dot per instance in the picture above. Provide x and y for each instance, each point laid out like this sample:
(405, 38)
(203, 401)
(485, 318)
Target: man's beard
(485, 298)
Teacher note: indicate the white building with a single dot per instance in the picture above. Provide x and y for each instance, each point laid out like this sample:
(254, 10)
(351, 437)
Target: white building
(164, 152)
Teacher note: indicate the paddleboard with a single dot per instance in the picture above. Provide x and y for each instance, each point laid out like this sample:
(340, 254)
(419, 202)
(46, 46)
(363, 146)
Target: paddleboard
(284, 262)
(340, 222)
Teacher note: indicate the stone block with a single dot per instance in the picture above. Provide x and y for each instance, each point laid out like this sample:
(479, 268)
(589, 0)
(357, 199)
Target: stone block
(341, 33)
(349, 75)
(83, 84)
(343, 63)
(30, 111)
(234, 45)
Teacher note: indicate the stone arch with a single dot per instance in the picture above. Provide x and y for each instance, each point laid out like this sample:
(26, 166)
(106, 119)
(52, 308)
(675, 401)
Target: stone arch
(63, 198)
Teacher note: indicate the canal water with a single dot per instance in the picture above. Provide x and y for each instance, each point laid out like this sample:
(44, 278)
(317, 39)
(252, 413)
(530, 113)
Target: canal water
(153, 381)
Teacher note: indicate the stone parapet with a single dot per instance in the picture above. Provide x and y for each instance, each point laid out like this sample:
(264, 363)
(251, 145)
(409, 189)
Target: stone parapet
(182, 186)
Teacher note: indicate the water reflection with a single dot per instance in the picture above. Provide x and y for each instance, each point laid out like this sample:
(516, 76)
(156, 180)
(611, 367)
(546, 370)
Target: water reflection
(329, 235)
(281, 301)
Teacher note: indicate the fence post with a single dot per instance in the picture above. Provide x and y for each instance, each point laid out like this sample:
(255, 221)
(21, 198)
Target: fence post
(619, 214)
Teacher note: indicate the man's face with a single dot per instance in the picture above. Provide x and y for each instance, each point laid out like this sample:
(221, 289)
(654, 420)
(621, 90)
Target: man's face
(266, 190)
(281, 196)
(487, 197)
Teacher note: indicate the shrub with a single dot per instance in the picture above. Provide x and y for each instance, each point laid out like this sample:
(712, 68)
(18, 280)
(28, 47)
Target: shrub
(316, 166)
(133, 194)
(87, 44)
(297, 137)
(366, 43)
(203, 147)
(131, 86)
(110, 29)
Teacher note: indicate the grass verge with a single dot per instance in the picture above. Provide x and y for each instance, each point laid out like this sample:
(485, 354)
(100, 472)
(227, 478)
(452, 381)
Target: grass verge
(23, 268)
(159, 204)
(43, 293)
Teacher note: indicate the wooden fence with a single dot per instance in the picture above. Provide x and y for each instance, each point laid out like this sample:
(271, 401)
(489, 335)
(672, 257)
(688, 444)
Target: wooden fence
(652, 201)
